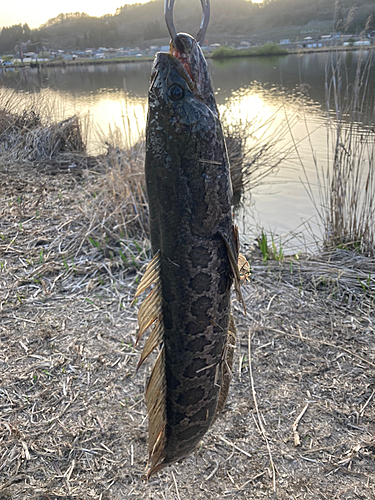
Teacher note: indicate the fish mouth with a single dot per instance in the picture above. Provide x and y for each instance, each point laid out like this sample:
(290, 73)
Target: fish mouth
(183, 59)
(186, 58)
(185, 50)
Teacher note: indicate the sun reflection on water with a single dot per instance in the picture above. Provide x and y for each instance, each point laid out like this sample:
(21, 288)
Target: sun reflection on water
(126, 118)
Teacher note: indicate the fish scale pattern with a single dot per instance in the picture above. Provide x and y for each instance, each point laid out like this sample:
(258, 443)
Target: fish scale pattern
(194, 244)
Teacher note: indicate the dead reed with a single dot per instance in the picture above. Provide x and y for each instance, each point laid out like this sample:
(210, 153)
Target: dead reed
(346, 182)
(116, 205)
(28, 131)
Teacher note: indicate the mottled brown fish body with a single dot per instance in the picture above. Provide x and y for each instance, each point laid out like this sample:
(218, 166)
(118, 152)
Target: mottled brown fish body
(189, 194)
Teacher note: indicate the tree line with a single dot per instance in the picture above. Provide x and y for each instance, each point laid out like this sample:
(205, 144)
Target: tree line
(132, 24)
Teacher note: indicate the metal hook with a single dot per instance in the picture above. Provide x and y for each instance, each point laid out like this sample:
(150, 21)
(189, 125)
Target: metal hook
(168, 15)
(205, 20)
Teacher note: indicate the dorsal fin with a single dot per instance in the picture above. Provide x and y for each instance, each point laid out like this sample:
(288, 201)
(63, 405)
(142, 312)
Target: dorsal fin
(156, 395)
(150, 313)
(153, 340)
(151, 275)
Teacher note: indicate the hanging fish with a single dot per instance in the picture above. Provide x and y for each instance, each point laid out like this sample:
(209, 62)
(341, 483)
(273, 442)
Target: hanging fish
(195, 248)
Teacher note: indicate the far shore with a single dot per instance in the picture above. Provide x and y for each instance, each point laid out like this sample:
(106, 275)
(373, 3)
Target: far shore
(128, 60)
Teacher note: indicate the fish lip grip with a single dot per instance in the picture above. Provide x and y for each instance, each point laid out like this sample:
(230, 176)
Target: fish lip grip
(168, 15)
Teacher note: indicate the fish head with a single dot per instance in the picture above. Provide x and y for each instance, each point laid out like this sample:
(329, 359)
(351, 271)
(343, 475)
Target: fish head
(189, 53)
(180, 91)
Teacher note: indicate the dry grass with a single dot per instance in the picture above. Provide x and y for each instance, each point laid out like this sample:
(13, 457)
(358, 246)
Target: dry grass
(29, 132)
(116, 205)
(113, 198)
(346, 274)
(72, 415)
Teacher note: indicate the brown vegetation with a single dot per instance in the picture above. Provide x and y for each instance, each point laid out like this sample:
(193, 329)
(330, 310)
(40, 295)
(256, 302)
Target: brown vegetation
(73, 420)
(346, 182)
(29, 133)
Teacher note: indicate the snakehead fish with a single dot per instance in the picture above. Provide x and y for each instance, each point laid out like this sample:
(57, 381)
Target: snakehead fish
(195, 248)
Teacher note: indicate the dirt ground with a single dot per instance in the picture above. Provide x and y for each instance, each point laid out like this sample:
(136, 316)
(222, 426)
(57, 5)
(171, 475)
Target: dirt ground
(300, 417)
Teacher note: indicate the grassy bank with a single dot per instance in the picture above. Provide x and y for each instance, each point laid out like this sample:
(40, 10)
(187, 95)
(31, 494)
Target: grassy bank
(85, 62)
(268, 49)
(81, 62)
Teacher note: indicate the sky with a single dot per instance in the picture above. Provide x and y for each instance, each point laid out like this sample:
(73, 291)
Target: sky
(39, 11)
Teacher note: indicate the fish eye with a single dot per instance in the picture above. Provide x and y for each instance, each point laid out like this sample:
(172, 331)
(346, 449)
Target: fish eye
(176, 92)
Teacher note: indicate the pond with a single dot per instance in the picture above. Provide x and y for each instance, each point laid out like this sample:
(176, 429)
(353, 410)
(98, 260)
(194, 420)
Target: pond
(277, 99)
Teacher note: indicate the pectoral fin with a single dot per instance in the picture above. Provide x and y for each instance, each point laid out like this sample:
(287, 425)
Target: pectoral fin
(232, 244)
(244, 268)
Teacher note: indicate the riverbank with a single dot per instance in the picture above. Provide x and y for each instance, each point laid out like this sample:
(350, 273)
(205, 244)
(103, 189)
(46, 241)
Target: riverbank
(73, 413)
(272, 49)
